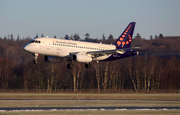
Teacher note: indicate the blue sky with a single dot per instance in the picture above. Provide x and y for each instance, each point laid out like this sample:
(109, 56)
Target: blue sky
(61, 17)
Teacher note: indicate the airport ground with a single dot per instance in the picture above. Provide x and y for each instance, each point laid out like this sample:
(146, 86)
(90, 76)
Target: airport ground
(98, 112)
(8, 100)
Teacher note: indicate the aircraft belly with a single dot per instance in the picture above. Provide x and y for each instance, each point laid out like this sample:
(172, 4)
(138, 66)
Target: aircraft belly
(62, 54)
(101, 57)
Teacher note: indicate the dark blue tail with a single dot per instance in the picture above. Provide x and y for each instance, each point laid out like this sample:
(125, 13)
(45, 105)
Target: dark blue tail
(124, 41)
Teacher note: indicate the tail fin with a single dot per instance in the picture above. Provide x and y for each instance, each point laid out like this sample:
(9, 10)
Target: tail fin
(124, 41)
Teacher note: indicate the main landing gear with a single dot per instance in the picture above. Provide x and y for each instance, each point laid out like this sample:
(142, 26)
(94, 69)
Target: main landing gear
(70, 65)
(35, 58)
(87, 65)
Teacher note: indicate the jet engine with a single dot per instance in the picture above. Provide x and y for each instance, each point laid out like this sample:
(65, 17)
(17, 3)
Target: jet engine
(53, 59)
(81, 58)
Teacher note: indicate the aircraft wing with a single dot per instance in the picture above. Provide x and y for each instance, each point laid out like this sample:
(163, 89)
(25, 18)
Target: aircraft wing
(107, 52)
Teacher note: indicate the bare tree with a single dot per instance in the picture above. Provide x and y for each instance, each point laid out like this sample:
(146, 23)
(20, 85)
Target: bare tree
(96, 66)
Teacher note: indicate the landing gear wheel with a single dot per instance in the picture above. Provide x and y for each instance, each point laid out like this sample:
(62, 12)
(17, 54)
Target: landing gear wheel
(35, 62)
(69, 65)
(87, 65)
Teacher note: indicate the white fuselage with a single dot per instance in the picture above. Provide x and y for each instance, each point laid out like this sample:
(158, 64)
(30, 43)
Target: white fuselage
(64, 48)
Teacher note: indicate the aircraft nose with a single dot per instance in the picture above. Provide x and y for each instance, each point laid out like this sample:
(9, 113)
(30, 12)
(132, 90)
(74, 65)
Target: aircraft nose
(26, 48)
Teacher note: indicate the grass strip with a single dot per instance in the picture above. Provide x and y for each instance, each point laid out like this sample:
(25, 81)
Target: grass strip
(88, 96)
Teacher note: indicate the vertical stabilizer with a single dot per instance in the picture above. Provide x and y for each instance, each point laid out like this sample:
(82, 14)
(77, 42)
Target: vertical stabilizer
(124, 41)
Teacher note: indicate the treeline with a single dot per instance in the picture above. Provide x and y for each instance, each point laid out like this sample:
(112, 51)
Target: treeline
(147, 73)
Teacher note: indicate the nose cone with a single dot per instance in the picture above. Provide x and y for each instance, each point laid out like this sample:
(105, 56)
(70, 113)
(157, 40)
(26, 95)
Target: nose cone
(27, 48)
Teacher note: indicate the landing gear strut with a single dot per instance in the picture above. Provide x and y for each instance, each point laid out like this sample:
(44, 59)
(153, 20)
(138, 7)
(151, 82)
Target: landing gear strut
(35, 58)
(87, 65)
(70, 65)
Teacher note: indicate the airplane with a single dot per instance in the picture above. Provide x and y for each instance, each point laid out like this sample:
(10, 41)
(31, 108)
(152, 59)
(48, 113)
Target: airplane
(56, 50)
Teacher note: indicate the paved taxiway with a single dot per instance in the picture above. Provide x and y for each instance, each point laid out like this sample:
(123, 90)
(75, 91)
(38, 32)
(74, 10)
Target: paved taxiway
(94, 99)
(87, 108)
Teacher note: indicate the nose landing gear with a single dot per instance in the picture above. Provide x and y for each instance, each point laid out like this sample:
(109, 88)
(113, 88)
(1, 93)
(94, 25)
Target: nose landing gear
(35, 58)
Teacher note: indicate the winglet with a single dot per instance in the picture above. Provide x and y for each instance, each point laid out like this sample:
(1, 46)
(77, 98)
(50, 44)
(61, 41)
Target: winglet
(124, 41)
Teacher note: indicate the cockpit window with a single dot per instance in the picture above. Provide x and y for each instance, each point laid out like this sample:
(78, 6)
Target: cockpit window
(35, 41)
(32, 41)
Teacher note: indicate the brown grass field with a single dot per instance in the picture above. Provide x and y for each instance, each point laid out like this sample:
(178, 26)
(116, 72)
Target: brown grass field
(158, 96)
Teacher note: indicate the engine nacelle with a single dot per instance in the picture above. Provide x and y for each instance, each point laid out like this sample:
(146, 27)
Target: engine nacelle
(81, 58)
(53, 59)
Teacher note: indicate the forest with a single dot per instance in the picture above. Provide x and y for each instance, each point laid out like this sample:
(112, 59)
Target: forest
(156, 69)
